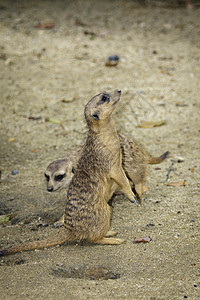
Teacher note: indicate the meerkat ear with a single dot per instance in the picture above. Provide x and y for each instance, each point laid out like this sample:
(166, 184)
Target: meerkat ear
(96, 116)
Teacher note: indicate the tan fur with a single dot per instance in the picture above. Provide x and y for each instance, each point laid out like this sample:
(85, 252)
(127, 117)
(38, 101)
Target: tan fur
(99, 170)
(60, 172)
(134, 163)
(135, 160)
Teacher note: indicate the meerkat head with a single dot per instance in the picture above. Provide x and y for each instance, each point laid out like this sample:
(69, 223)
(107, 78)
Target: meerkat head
(58, 174)
(99, 109)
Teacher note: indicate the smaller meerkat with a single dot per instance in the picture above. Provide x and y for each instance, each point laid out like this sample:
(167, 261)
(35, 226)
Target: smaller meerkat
(134, 162)
(60, 172)
(98, 172)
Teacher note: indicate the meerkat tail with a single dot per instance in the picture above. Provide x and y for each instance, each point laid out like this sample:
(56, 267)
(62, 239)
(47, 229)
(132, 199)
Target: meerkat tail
(157, 160)
(57, 239)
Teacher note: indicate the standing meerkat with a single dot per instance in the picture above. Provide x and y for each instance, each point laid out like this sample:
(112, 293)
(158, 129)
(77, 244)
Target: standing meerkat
(134, 162)
(99, 170)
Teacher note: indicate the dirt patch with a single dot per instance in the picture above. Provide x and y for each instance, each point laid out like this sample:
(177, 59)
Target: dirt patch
(52, 61)
(85, 272)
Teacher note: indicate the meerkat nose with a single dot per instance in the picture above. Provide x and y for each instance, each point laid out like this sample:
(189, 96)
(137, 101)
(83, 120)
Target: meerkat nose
(50, 189)
(119, 91)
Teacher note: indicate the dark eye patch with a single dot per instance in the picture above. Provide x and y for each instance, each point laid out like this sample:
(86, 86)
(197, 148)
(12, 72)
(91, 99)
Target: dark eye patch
(104, 99)
(73, 170)
(59, 177)
(47, 177)
(95, 116)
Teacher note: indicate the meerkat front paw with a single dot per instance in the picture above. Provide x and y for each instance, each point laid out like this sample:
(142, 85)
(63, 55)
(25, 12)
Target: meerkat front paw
(134, 199)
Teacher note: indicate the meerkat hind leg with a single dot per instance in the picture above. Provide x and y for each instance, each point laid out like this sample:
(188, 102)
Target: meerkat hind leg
(121, 179)
(139, 188)
(110, 241)
(60, 222)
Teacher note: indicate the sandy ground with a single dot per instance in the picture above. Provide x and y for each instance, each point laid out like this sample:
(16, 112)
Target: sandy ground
(50, 74)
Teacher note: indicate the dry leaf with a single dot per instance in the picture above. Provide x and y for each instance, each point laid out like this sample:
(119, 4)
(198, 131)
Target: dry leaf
(180, 183)
(79, 22)
(67, 100)
(145, 239)
(89, 32)
(34, 118)
(192, 169)
(4, 218)
(151, 124)
(145, 188)
(45, 25)
(11, 140)
(54, 121)
(178, 104)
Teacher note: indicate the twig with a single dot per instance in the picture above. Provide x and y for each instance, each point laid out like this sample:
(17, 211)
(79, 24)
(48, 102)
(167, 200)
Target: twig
(170, 169)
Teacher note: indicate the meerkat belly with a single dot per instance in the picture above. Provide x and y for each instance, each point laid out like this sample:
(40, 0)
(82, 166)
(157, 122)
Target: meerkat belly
(87, 216)
(88, 222)
(106, 189)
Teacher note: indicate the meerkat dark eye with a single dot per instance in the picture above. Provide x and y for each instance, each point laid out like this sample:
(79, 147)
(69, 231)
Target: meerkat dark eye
(47, 177)
(59, 177)
(73, 170)
(105, 98)
(95, 116)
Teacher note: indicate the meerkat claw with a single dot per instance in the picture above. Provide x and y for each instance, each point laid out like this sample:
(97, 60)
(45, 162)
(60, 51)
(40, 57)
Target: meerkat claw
(134, 201)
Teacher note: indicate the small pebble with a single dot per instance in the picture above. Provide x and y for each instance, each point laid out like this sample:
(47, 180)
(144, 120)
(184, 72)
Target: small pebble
(112, 61)
(113, 57)
(59, 264)
(192, 220)
(179, 159)
(14, 172)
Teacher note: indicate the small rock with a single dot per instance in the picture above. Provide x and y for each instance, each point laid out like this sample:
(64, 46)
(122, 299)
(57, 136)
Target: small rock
(34, 228)
(11, 198)
(192, 220)
(15, 172)
(59, 264)
(42, 225)
(154, 201)
(20, 262)
(9, 62)
(179, 159)
(150, 224)
(3, 56)
(112, 61)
